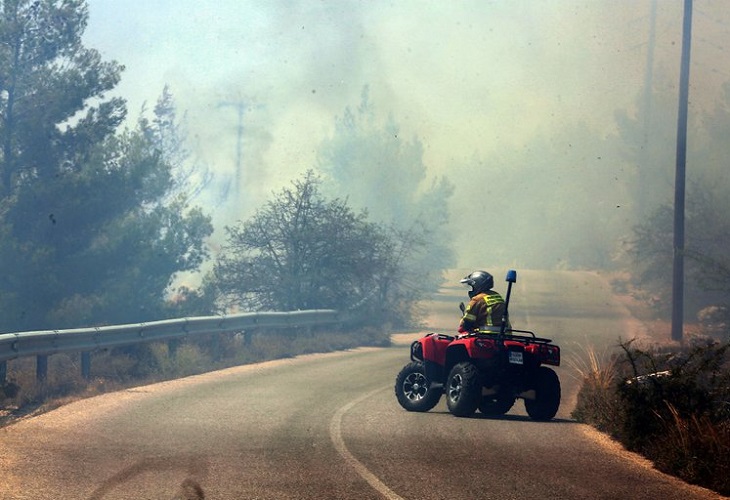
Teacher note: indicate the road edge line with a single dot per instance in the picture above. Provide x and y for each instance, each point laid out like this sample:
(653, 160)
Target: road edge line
(339, 443)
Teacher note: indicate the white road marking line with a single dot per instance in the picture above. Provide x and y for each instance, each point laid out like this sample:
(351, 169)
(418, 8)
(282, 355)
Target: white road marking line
(336, 436)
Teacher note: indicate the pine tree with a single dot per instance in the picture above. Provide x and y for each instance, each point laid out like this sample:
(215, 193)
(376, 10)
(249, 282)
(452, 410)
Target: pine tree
(86, 238)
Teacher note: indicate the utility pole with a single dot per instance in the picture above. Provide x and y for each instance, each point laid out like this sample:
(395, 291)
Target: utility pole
(241, 107)
(679, 183)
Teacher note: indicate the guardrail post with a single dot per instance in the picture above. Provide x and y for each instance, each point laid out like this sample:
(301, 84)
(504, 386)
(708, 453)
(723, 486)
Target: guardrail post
(3, 372)
(41, 367)
(172, 347)
(86, 365)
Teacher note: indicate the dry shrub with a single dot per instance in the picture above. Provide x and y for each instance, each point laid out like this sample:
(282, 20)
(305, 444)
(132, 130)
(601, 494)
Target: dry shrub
(670, 404)
(696, 449)
(63, 378)
(187, 360)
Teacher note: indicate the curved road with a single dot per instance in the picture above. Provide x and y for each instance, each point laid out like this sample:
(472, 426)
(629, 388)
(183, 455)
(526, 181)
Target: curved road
(328, 426)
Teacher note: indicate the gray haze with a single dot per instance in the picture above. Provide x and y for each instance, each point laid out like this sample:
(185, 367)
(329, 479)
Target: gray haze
(516, 102)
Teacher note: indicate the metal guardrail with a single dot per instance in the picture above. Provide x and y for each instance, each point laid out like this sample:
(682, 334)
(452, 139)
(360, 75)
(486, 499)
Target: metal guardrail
(85, 340)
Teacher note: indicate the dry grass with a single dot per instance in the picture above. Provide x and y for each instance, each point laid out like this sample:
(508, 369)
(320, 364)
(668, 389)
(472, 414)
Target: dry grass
(588, 364)
(597, 400)
(696, 449)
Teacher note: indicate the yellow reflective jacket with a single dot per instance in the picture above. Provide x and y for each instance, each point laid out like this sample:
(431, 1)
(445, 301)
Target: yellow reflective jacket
(483, 311)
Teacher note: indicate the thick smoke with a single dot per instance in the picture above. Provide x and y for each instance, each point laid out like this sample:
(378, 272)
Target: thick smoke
(522, 105)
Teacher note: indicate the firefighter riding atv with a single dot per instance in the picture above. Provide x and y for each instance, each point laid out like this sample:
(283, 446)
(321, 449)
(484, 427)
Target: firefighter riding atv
(485, 371)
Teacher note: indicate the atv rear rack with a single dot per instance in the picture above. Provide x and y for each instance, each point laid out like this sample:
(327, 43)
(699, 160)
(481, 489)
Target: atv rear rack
(534, 339)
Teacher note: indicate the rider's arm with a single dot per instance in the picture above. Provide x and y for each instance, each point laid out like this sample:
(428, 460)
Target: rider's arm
(470, 320)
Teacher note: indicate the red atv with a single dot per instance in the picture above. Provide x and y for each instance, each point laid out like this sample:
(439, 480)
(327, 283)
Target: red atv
(485, 371)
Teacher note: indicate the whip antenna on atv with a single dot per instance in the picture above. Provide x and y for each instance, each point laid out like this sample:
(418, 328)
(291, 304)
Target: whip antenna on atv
(511, 278)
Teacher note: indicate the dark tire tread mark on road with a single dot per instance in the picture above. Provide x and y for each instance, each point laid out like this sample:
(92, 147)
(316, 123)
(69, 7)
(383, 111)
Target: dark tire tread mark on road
(189, 489)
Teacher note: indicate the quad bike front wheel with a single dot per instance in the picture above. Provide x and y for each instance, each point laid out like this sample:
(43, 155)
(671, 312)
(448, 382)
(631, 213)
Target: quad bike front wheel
(547, 395)
(463, 389)
(413, 390)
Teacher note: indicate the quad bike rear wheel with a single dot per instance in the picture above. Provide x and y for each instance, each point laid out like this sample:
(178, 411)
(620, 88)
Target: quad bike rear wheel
(463, 389)
(491, 406)
(413, 390)
(547, 395)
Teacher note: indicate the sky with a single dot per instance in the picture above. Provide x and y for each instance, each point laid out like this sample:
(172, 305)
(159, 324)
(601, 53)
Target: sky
(469, 78)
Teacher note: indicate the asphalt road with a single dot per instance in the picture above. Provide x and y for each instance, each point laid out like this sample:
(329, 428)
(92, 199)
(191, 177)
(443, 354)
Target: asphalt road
(328, 426)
